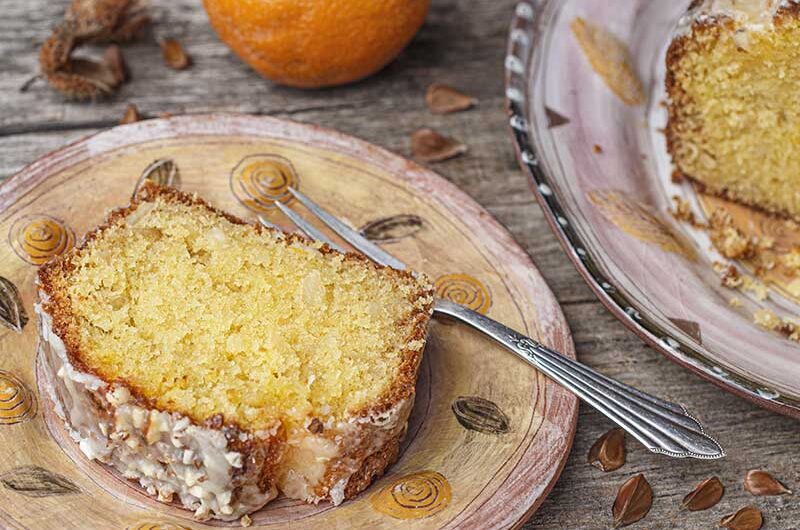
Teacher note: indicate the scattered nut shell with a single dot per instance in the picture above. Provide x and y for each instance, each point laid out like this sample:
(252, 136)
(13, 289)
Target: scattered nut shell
(633, 502)
(444, 99)
(761, 483)
(131, 115)
(430, 146)
(608, 452)
(174, 55)
(748, 518)
(113, 59)
(705, 495)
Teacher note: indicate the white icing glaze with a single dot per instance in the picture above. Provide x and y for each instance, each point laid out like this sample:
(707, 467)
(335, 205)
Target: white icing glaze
(318, 467)
(170, 456)
(165, 452)
(748, 15)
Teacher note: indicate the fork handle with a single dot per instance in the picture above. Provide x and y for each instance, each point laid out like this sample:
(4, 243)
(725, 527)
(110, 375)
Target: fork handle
(661, 426)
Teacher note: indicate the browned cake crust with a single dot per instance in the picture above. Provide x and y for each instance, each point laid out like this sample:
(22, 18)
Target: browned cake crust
(368, 443)
(679, 100)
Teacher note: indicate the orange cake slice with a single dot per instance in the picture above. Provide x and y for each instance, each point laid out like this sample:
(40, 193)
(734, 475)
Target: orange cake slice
(218, 363)
(734, 107)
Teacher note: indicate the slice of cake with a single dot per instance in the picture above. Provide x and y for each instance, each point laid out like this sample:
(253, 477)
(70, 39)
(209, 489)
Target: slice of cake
(734, 109)
(218, 363)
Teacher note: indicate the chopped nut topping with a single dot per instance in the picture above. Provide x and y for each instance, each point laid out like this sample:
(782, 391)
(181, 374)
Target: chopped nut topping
(315, 426)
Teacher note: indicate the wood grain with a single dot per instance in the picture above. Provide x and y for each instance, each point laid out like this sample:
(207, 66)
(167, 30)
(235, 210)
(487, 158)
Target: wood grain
(462, 44)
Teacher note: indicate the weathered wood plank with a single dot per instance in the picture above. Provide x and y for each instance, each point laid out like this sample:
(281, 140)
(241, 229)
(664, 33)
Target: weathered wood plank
(463, 44)
(753, 438)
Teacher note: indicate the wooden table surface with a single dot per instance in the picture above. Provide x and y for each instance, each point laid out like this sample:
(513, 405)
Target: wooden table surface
(462, 44)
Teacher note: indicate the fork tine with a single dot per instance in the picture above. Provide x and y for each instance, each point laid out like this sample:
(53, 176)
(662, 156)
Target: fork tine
(306, 227)
(264, 222)
(364, 245)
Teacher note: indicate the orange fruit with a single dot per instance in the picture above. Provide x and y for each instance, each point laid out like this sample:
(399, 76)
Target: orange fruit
(316, 43)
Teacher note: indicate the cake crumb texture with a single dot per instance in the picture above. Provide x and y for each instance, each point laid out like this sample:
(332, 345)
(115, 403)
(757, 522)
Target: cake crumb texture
(734, 109)
(207, 316)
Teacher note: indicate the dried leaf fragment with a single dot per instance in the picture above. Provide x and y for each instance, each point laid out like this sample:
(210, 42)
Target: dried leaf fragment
(748, 518)
(608, 452)
(101, 21)
(705, 495)
(430, 146)
(174, 55)
(102, 76)
(444, 99)
(131, 115)
(611, 59)
(115, 63)
(761, 483)
(633, 502)
(95, 21)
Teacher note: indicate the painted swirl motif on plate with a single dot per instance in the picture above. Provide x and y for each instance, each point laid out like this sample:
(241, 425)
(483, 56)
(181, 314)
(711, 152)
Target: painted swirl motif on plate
(260, 180)
(39, 238)
(413, 496)
(638, 220)
(17, 402)
(465, 290)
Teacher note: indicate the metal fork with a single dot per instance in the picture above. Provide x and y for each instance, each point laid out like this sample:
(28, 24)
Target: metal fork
(663, 427)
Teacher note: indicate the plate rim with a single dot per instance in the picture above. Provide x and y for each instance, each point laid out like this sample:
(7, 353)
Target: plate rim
(40, 169)
(520, 47)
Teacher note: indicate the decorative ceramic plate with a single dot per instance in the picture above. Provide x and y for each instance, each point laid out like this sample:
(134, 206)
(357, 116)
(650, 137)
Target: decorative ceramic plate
(488, 436)
(590, 137)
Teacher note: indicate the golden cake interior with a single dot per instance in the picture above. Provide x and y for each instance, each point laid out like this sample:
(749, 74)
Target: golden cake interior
(735, 110)
(204, 316)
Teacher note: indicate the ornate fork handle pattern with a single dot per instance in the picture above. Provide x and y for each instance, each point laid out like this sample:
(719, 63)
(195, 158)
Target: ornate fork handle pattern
(663, 427)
